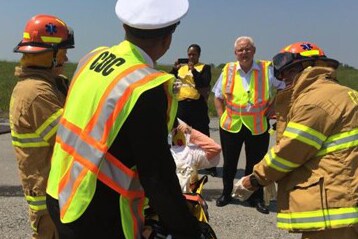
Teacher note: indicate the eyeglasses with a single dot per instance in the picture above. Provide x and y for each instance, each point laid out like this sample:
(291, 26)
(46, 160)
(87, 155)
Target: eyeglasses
(248, 50)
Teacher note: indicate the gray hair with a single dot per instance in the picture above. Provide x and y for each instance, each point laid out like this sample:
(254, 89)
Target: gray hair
(244, 38)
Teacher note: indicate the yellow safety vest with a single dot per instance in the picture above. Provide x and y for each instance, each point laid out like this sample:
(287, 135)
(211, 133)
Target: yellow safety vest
(245, 107)
(92, 118)
(188, 90)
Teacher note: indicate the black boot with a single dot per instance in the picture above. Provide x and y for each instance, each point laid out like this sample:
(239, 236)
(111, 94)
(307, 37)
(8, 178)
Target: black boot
(212, 171)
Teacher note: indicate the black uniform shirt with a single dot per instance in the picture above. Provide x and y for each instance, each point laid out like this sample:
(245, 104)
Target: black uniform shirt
(142, 141)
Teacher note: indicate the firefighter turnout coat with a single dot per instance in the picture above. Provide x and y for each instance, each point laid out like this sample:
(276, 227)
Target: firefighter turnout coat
(315, 159)
(35, 107)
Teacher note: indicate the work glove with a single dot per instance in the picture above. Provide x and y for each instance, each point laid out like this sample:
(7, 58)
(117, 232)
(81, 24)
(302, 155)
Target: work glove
(240, 191)
(177, 85)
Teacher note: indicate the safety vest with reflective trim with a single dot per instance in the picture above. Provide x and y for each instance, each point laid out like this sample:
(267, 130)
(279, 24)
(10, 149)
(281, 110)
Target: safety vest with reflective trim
(187, 89)
(91, 121)
(246, 107)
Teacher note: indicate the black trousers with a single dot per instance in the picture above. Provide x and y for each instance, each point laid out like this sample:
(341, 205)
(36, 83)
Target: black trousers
(256, 147)
(195, 114)
(100, 220)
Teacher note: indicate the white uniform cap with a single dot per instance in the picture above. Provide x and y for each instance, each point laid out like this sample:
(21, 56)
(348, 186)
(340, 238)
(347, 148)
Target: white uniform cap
(151, 14)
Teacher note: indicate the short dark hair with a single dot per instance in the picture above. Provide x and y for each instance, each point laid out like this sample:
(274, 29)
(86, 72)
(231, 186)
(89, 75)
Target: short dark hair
(151, 33)
(196, 46)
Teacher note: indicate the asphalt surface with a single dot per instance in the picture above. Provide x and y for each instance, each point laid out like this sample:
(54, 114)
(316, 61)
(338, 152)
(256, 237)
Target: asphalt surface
(234, 221)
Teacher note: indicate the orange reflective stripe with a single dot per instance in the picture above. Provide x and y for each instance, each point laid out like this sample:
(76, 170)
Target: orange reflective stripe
(137, 218)
(120, 165)
(88, 139)
(85, 162)
(103, 100)
(227, 121)
(119, 106)
(110, 183)
(78, 181)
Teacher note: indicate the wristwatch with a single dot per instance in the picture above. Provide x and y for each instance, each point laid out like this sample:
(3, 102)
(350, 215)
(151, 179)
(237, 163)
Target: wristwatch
(253, 181)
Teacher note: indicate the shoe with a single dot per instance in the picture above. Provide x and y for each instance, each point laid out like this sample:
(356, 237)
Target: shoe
(212, 171)
(223, 200)
(261, 207)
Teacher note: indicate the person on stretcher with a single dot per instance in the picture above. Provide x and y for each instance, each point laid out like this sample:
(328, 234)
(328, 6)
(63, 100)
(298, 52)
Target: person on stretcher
(192, 151)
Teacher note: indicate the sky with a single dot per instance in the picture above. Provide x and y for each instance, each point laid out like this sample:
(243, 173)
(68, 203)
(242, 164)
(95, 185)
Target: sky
(213, 24)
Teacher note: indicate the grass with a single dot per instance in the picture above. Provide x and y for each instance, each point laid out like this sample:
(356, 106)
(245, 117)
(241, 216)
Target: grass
(346, 75)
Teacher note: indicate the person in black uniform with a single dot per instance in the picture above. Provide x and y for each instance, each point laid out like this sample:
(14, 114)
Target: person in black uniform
(141, 142)
(194, 92)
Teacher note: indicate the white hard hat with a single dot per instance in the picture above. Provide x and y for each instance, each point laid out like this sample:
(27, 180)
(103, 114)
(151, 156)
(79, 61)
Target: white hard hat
(151, 14)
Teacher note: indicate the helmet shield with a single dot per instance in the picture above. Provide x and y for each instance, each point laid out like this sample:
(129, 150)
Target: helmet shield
(300, 52)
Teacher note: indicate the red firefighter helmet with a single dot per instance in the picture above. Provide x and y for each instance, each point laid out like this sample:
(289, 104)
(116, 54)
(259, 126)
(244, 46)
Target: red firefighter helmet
(45, 33)
(300, 52)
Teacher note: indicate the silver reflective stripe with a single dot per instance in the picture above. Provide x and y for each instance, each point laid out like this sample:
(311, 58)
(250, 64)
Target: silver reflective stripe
(51, 126)
(67, 190)
(37, 203)
(27, 140)
(82, 148)
(119, 177)
(229, 77)
(260, 85)
(323, 218)
(95, 156)
(113, 97)
(304, 134)
(278, 164)
(136, 206)
(344, 140)
(244, 109)
(258, 122)
(339, 141)
(38, 136)
(227, 122)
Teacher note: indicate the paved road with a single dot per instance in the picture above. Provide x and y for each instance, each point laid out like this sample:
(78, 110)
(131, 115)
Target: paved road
(234, 221)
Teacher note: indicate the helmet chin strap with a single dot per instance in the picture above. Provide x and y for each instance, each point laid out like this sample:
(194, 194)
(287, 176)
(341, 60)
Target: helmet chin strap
(54, 58)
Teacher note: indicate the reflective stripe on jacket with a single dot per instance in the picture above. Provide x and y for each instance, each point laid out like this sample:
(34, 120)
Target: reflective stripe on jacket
(315, 159)
(188, 89)
(35, 109)
(91, 121)
(246, 107)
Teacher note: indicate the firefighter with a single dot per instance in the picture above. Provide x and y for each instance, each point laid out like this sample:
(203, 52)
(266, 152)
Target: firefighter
(35, 107)
(315, 159)
(111, 150)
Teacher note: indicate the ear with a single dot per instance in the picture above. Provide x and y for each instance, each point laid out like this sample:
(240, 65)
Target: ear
(167, 40)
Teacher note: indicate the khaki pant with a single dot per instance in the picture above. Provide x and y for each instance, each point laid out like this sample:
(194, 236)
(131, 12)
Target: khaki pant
(339, 233)
(42, 225)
